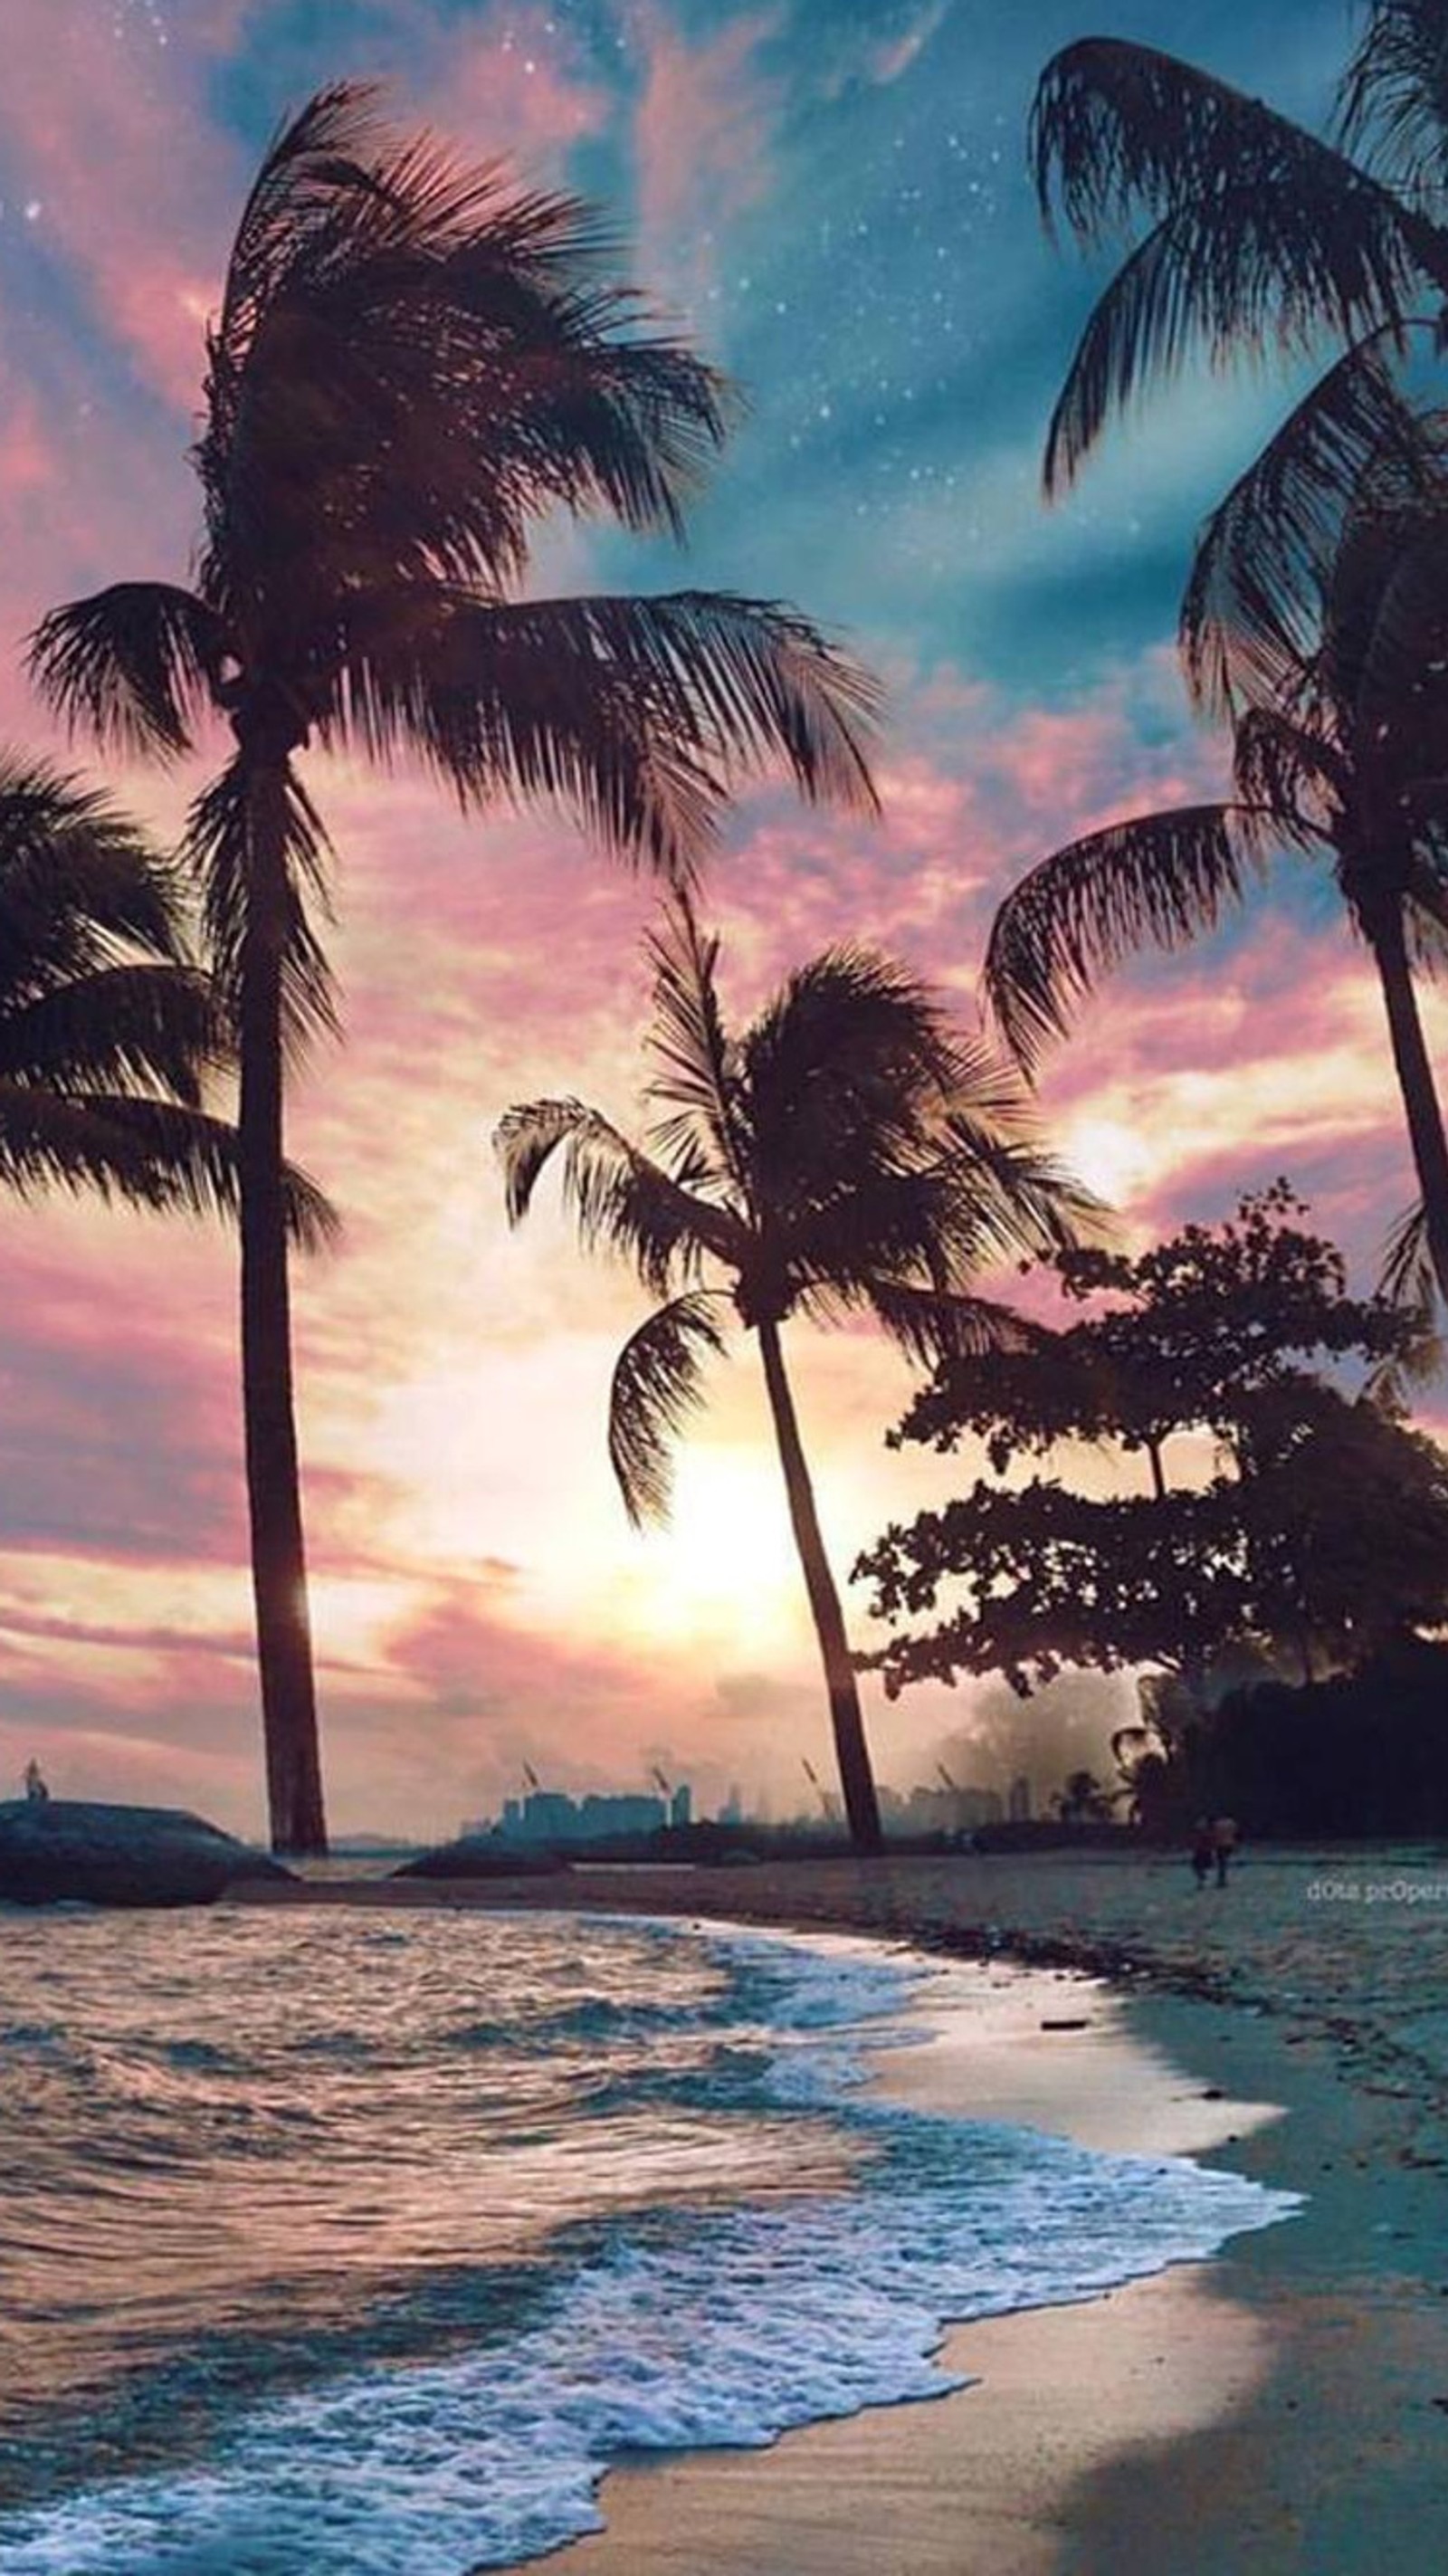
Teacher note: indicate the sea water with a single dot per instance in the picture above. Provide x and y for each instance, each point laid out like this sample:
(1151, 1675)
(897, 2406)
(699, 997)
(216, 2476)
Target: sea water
(360, 2246)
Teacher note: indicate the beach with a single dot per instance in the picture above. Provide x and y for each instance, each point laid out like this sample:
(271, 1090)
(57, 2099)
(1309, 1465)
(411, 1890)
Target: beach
(1283, 2407)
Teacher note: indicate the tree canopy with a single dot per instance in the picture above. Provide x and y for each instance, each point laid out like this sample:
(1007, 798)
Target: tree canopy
(1303, 1511)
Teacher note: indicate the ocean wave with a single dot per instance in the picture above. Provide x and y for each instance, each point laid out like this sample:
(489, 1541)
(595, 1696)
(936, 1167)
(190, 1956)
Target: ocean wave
(668, 2327)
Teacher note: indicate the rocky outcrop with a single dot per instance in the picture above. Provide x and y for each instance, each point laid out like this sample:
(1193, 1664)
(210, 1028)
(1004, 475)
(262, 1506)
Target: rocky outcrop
(476, 1857)
(66, 1850)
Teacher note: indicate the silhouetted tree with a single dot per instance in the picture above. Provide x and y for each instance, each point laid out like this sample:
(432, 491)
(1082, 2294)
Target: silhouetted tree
(1315, 1521)
(107, 1030)
(1341, 757)
(1085, 1800)
(845, 1154)
(1312, 620)
(1258, 235)
(414, 362)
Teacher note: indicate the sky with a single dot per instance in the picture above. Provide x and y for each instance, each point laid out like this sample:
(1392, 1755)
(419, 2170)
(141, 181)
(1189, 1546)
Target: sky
(830, 196)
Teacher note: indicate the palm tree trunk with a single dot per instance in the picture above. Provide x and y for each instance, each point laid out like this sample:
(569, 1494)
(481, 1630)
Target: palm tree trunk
(1415, 1081)
(862, 1807)
(278, 1555)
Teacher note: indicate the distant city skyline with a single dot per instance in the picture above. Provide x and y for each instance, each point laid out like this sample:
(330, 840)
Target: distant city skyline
(559, 1816)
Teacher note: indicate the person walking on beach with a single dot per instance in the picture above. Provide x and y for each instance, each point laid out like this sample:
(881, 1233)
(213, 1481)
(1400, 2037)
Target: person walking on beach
(1203, 1851)
(1224, 1845)
(35, 1788)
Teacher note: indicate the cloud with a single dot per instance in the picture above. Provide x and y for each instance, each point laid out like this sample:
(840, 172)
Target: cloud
(104, 132)
(479, 1597)
(703, 143)
(509, 80)
(885, 55)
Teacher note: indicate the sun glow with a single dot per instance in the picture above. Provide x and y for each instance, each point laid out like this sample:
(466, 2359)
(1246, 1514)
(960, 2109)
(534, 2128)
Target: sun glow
(1111, 1158)
(352, 1617)
(726, 1566)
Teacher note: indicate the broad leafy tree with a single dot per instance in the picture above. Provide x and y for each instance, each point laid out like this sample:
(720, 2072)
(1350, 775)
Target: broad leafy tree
(845, 1156)
(1287, 1507)
(414, 362)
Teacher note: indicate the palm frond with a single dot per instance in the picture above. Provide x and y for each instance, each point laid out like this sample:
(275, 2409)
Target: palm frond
(143, 1027)
(1386, 622)
(905, 1223)
(1393, 97)
(850, 1067)
(1425, 899)
(619, 1199)
(643, 715)
(1291, 772)
(146, 1153)
(258, 849)
(931, 1327)
(79, 886)
(1408, 1281)
(137, 665)
(1160, 880)
(1261, 235)
(658, 1381)
(1407, 1278)
(1250, 616)
(440, 352)
(1015, 1201)
(315, 162)
(695, 1071)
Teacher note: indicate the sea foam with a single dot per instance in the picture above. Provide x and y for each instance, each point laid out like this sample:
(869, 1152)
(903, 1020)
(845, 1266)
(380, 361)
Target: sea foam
(668, 2327)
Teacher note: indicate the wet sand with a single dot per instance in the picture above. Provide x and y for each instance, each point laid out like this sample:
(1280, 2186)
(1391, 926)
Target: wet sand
(977, 2483)
(1282, 2408)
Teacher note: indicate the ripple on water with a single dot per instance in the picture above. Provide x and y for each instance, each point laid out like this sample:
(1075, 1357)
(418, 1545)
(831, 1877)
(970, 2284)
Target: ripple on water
(366, 2254)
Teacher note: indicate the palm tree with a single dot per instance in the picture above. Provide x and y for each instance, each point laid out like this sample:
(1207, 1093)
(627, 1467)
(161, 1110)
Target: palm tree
(107, 1032)
(1258, 234)
(413, 363)
(845, 1155)
(1340, 753)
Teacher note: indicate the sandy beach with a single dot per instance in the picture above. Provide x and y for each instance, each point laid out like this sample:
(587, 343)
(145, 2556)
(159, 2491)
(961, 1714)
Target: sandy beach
(1284, 2407)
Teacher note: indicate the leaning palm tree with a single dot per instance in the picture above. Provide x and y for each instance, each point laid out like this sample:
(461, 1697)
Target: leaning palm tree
(415, 361)
(1341, 751)
(1259, 238)
(107, 1031)
(1257, 234)
(845, 1155)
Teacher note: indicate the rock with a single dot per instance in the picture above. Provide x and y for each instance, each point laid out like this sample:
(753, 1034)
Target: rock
(475, 1858)
(68, 1850)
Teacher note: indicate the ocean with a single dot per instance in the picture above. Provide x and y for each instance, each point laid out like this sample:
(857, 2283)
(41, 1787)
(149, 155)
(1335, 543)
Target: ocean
(360, 2246)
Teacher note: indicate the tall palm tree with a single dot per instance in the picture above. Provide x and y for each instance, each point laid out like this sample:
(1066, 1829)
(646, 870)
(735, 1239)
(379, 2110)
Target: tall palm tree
(107, 1031)
(1338, 670)
(844, 1155)
(414, 361)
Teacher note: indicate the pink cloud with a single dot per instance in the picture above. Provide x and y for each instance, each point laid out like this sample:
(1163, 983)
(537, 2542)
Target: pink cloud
(511, 82)
(478, 1595)
(105, 138)
(703, 143)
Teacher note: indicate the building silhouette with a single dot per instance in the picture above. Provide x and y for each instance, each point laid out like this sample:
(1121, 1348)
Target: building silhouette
(545, 1816)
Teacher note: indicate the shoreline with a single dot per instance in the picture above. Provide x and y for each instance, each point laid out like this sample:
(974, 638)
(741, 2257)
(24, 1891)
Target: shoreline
(1279, 2411)
(976, 2481)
